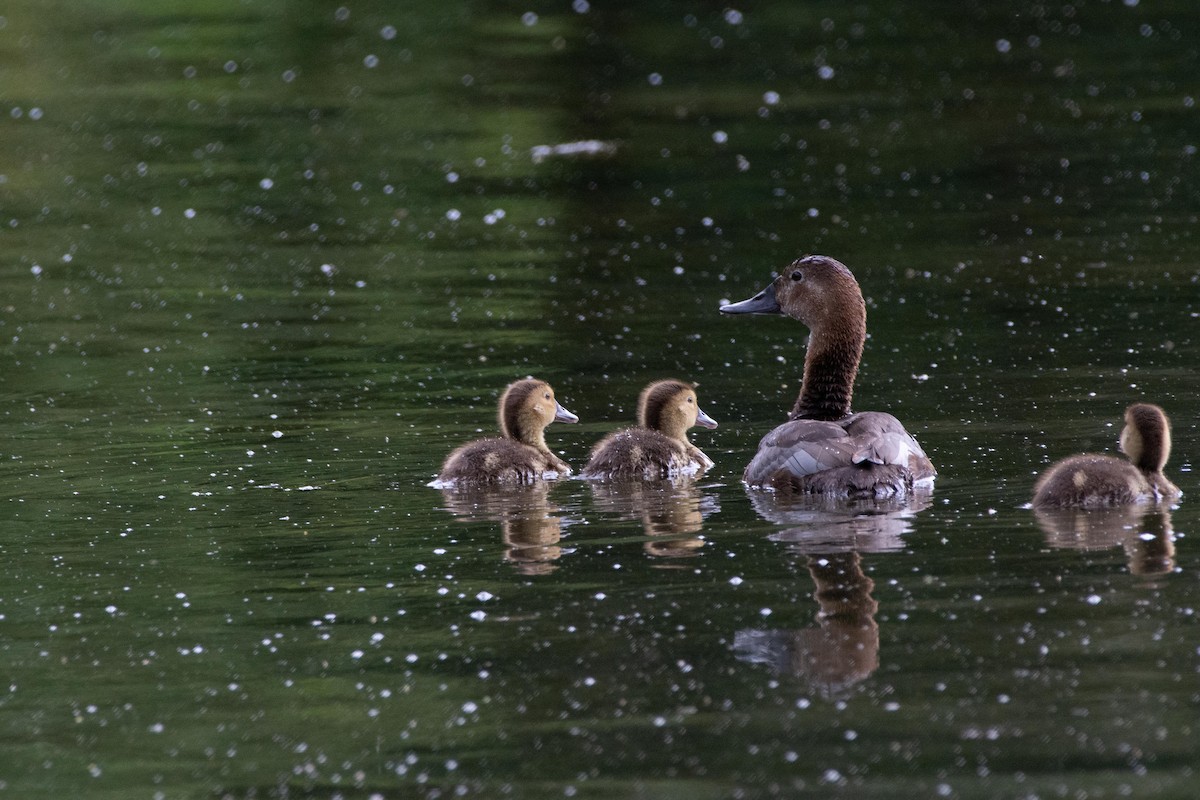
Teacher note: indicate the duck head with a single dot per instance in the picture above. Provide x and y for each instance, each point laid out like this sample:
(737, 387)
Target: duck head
(814, 290)
(526, 408)
(1146, 438)
(671, 407)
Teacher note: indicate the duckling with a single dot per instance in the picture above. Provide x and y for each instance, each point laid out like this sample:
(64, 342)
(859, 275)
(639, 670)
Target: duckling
(520, 454)
(823, 448)
(1090, 480)
(658, 447)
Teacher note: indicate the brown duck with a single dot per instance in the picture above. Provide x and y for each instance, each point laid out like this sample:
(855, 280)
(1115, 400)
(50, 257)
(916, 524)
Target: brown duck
(824, 448)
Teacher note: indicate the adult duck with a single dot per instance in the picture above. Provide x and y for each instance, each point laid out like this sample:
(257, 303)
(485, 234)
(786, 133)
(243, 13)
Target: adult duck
(519, 454)
(824, 448)
(1093, 480)
(658, 447)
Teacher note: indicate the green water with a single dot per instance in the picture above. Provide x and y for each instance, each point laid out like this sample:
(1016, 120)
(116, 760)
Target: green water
(264, 264)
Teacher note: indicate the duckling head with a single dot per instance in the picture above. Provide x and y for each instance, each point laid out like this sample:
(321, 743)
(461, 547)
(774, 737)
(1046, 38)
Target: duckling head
(671, 407)
(526, 408)
(1146, 438)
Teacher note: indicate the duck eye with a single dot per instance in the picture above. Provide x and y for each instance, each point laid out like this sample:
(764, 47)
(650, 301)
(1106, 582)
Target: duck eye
(797, 276)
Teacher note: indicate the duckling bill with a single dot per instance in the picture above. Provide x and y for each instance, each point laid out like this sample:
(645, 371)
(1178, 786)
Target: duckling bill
(520, 453)
(1093, 480)
(824, 448)
(658, 447)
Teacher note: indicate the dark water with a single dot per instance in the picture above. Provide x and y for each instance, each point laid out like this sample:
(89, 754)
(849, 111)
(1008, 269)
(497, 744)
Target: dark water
(264, 264)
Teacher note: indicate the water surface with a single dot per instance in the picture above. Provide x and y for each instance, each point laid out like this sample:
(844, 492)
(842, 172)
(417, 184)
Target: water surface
(265, 264)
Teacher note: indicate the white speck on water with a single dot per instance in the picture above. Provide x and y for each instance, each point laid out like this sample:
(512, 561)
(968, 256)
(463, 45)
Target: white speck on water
(831, 776)
(766, 612)
(250, 453)
(771, 98)
(660, 722)
(376, 638)
(678, 270)
(371, 61)
(328, 269)
(419, 567)
(189, 213)
(277, 434)
(733, 16)
(111, 609)
(469, 707)
(36, 269)
(288, 75)
(735, 581)
(581, 6)
(35, 113)
(266, 183)
(453, 214)
(825, 72)
(655, 79)
(706, 222)
(484, 596)
(388, 32)
(452, 177)
(813, 213)
(356, 654)
(600, 596)
(479, 616)
(157, 727)
(231, 67)
(1003, 45)
(529, 19)
(1092, 599)
(720, 137)
(341, 14)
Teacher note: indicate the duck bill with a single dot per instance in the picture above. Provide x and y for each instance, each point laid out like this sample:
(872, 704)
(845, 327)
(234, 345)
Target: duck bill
(704, 420)
(562, 415)
(762, 303)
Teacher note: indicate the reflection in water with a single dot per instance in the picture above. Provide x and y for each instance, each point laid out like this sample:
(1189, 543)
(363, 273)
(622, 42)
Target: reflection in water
(818, 525)
(843, 648)
(672, 511)
(529, 522)
(1143, 531)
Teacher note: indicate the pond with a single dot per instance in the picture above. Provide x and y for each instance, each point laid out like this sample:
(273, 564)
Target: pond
(265, 264)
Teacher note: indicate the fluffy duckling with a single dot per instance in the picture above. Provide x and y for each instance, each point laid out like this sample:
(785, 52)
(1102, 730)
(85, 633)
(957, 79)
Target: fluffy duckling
(823, 448)
(520, 454)
(1089, 479)
(658, 447)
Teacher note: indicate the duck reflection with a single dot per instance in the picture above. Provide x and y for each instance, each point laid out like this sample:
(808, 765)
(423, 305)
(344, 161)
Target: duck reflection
(530, 524)
(1144, 532)
(671, 511)
(816, 525)
(842, 649)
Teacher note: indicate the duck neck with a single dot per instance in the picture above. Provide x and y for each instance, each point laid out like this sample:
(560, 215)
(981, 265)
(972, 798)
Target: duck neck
(830, 367)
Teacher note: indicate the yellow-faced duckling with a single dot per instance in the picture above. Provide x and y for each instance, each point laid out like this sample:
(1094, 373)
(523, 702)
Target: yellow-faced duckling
(1092, 480)
(823, 448)
(520, 454)
(658, 447)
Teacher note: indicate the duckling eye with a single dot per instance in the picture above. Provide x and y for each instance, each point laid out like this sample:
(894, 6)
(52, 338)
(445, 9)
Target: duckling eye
(797, 276)
(691, 399)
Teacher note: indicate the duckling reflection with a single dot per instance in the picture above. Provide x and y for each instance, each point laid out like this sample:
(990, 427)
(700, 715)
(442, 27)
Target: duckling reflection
(531, 527)
(1144, 532)
(842, 650)
(671, 511)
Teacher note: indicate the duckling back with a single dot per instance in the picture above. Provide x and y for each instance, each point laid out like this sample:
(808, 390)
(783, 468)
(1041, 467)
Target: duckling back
(639, 453)
(1092, 480)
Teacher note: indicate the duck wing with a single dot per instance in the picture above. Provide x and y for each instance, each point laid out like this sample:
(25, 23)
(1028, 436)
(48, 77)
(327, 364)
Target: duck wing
(863, 441)
(800, 447)
(882, 440)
